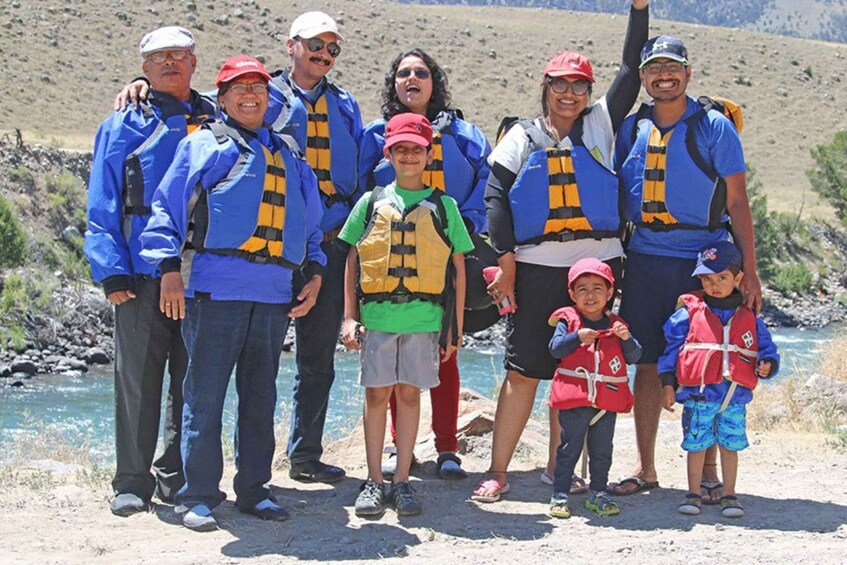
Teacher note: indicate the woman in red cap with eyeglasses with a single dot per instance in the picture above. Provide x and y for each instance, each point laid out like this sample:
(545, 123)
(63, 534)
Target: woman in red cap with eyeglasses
(416, 83)
(552, 199)
(235, 214)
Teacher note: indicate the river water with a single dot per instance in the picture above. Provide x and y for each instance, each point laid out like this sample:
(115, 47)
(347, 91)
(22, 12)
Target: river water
(79, 411)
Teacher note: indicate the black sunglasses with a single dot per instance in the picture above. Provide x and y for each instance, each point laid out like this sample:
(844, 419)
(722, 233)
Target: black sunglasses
(315, 44)
(419, 73)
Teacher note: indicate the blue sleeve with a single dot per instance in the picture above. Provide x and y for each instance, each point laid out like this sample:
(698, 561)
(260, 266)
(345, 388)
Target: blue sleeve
(200, 161)
(105, 245)
(767, 348)
(476, 150)
(353, 116)
(676, 330)
(314, 213)
(721, 143)
(631, 350)
(563, 343)
(370, 153)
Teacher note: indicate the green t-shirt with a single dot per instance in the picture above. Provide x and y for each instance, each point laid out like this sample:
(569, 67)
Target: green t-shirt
(418, 315)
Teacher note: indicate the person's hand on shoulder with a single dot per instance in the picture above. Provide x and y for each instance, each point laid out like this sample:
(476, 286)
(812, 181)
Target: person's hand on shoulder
(751, 288)
(135, 92)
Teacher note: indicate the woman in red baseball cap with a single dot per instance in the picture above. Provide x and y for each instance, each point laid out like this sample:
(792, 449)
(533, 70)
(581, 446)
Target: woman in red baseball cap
(416, 83)
(552, 199)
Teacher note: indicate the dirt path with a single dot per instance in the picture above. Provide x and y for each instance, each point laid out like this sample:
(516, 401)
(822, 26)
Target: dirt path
(792, 486)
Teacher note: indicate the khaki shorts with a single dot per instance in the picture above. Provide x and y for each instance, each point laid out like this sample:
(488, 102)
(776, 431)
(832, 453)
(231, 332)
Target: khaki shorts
(388, 359)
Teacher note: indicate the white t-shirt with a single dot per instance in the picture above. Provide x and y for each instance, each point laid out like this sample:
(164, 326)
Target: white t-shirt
(598, 137)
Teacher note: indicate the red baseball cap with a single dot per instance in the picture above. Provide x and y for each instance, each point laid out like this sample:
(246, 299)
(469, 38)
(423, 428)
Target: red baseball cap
(590, 266)
(414, 128)
(570, 64)
(240, 65)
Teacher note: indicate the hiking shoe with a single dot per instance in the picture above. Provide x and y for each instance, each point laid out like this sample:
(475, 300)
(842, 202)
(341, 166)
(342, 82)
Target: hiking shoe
(602, 504)
(268, 510)
(731, 507)
(164, 492)
(691, 505)
(559, 505)
(316, 471)
(406, 501)
(127, 504)
(199, 519)
(371, 499)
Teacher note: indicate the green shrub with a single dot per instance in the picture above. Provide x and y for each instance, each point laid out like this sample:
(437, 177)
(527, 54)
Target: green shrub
(792, 277)
(829, 176)
(13, 245)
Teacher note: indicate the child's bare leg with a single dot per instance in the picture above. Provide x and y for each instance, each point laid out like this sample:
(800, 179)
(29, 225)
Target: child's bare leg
(729, 469)
(376, 407)
(695, 470)
(408, 417)
(555, 441)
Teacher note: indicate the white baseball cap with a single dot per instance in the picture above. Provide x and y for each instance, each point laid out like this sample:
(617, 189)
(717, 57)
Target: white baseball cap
(312, 24)
(168, 37)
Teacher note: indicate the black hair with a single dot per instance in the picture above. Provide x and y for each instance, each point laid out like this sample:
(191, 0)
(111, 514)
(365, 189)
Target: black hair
(440, 99)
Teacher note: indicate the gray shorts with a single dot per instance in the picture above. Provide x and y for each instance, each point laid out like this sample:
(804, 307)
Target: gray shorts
(388, 359)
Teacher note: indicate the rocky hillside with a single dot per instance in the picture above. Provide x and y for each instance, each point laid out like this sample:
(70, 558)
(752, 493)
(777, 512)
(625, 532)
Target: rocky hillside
(65, 61)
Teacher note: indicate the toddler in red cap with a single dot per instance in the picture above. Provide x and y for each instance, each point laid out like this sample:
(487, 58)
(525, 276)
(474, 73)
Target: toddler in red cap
(404, 293)
(590, 385)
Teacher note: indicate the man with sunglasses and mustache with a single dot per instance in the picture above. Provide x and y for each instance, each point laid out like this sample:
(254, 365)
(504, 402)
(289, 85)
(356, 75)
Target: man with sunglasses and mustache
(682, 170)
(132, 151)
(327, 124)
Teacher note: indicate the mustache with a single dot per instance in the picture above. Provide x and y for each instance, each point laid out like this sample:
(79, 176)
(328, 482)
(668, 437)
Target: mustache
(320, 61)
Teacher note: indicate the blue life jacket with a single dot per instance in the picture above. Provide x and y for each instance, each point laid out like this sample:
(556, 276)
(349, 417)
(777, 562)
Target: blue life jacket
(673, 159)
(563, 194)
(256, 212)
(330, 147)
(145, 167)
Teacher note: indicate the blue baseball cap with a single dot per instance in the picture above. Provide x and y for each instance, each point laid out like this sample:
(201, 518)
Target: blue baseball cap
(664, 47)
(717, 258)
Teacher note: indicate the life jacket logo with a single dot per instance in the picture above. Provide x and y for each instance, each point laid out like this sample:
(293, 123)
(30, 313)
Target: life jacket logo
(615, 364)
(747, 338)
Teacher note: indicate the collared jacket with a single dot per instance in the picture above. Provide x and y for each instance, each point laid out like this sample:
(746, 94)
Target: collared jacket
(132, 151)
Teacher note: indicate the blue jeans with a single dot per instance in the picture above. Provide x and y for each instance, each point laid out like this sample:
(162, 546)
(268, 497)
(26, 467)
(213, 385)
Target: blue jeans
(575, 426)
(317, 337)
(222, 335)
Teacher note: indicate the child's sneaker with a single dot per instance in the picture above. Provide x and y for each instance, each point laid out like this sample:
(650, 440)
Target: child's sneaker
(731, 507)
(602, 504)
(691, 505)
(406, 501)
(371, 499)
(559, 505)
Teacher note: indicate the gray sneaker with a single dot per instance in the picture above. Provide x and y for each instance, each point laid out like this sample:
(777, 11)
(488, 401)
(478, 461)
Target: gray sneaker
(371, 499)
(199, 518)
(127, 504)
(405, 500)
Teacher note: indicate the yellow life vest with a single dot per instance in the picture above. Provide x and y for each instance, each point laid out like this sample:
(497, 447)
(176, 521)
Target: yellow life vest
(269, 224)
(653, 206)
(565, 208)
(404, 254)
(433, 175)
(318, 150)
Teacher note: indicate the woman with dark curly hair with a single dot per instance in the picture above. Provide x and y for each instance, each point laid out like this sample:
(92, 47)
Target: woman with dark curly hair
(415, 83)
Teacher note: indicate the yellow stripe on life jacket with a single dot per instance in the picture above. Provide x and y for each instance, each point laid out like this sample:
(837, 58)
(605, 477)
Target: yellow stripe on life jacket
(318, 151)
(565, 208)
(653, 206)
(267, 239)
(193, 123)
(433, 175)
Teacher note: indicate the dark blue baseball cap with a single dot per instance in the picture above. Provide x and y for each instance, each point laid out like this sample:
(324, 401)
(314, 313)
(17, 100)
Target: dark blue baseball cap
(664, 47)
(717, 258)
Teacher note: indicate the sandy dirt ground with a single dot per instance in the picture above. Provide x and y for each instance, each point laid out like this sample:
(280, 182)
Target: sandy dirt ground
(792, 486)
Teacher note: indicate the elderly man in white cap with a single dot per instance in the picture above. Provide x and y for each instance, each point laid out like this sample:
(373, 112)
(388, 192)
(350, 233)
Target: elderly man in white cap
(326, 122)
(132, 151)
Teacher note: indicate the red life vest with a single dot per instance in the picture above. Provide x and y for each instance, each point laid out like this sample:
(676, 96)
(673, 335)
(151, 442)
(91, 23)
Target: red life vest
(713, 351)
(592, 375)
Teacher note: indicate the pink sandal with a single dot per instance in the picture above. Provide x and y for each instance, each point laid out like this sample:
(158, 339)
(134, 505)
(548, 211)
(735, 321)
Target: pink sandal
(495, 487)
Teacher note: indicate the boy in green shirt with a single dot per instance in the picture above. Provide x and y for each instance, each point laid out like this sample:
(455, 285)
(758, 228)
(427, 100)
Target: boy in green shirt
(404, 237)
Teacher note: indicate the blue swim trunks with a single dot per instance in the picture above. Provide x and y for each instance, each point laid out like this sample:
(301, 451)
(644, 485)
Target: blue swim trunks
(703, 426)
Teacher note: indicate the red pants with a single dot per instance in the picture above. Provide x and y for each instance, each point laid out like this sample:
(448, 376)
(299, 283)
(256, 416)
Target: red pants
(445, 407)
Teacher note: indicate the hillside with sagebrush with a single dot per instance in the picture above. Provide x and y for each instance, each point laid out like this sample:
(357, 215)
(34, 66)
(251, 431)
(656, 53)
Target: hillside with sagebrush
(65, 62)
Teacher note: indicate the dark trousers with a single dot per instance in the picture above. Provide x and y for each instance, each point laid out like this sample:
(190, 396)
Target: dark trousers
(317, 337)
(145, 341)
(574, 424)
